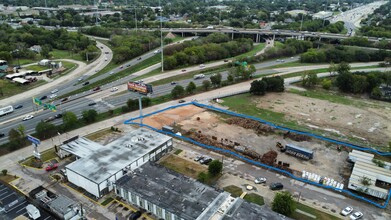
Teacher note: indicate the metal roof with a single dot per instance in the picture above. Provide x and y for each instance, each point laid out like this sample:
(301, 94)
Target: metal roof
(108, 160)
(81, 147)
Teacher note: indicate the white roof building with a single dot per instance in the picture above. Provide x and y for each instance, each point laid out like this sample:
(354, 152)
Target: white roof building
(364, 167)
(322, 15)
(101, 166)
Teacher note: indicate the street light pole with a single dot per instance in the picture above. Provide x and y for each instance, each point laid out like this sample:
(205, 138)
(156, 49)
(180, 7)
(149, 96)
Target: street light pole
(161, 35)
(135, 17)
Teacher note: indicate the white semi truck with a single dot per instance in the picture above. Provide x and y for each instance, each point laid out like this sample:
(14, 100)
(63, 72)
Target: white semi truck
(6, 110)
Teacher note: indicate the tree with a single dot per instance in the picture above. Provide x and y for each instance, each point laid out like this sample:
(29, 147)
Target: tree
(4, 172)
(45, 51)
(332, 68)
(215, 167)
(359, 84)
(344, 81)
(90, 115)
(45, 130)
(14, 135)
(274, 84)
(283, 203)
(326, 84)
(216, 79)
(132, 104)
(309, 80)
(343, 68)
(177, 91)
(69, 120)
(258, 87)
(202, 177)
(206, 84)
(191, 87)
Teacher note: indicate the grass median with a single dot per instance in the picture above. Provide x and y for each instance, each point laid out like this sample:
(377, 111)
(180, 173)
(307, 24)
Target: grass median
(140, 66)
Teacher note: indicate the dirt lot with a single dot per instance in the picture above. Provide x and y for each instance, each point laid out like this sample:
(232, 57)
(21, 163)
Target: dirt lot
(327, 162)
(369, 123)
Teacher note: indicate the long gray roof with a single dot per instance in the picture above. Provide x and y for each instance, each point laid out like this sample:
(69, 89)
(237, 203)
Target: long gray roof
(108, 160)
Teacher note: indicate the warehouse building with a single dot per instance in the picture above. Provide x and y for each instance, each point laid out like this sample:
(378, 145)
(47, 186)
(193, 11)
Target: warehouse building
(173, 196)
(101, 166)
(368, 177)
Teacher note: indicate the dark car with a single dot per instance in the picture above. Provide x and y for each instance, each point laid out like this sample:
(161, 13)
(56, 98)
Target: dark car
(276, 186)
(64, 99)
(43, 97)
(106, 52)
(2, 135)
(205, 161)
(96, 88)
(173, 83)
(58, 115)
(181, 101)
(86, 83)
(92, 103)
(18, 107)
(135, 215)
(139, 58)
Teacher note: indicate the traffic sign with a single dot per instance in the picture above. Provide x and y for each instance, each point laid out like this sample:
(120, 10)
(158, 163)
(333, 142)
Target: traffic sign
(33, 139)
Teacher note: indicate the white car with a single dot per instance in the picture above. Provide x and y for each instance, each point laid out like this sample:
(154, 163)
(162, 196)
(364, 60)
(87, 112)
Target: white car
(111, 73)
(356, 215)
(156, 51)
(260, 180)
(202, 65)
(113, 89)
(346, 211)
(53, 96)
(28, 117)
(54, 91)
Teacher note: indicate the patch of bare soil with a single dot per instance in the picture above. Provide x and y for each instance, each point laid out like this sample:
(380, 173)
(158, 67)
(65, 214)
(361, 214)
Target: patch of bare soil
(172, 116)
(365, 123)
(327, 160)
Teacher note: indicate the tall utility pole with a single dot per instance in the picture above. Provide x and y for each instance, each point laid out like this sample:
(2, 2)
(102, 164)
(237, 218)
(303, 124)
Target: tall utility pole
(135, 17)
(161, 35)
(302, 18)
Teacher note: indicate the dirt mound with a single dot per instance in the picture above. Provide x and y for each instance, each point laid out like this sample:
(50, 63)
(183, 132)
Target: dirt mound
(250, 124)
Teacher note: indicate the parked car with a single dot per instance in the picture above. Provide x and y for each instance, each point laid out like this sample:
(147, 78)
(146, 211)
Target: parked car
(58, 115)
(346, 211)
(276, 186)
(43, 97)
(181, 101)
(28, 117)
(96, 88)
(2, 135)
(198, 158)
(63, 172)
(356, 215)
(205, 160)
(51, 166)
(54, 91)
(135, 215)
(92, 103)
(260, 180)
(86, 83)
(18, 107)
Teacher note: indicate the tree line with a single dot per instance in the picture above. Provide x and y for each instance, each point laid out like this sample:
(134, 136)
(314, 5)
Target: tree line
(15, 43)
(339, 54)
(134, 44)
(352, 82)
(214, 47)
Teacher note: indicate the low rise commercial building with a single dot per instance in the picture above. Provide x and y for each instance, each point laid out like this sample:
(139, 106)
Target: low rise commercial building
(99, 167)
(173, 196)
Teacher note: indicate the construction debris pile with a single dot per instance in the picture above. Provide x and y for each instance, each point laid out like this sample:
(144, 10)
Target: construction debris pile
(297, 137)
(269, 158)
(250, 124)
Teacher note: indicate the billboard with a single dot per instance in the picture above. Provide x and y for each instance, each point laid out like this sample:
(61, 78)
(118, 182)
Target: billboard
(140, 87)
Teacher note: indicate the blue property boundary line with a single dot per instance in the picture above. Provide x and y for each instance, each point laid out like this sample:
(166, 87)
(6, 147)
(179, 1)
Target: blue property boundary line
(234, 154)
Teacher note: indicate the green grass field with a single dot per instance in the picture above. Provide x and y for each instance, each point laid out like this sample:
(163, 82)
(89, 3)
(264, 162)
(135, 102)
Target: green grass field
(319, 214)
(252, 52)
(63, 54)
(9, 89)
